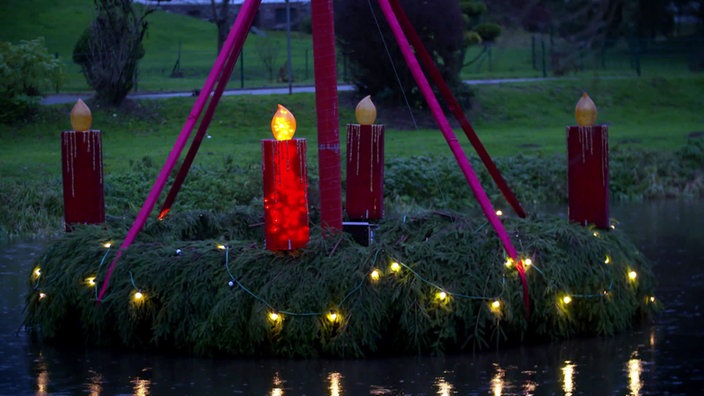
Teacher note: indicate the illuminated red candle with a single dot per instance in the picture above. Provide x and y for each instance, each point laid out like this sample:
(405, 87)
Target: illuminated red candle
(365, 165)
(285, 185)
(588, 168)
(82, 170)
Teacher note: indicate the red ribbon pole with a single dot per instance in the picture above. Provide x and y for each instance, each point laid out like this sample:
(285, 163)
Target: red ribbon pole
(240, 27)
(455, 147)
(207, 117)
(455, 107)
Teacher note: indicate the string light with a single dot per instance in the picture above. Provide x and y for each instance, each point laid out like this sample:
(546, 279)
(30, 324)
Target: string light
(495, 306)
(375, 275)
(632, 275)
(275, 317)
(395, 267)
(566, 299)
(333, 317)
(90, 281)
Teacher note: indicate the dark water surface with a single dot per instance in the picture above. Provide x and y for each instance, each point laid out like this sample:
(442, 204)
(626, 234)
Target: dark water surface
(664, 358)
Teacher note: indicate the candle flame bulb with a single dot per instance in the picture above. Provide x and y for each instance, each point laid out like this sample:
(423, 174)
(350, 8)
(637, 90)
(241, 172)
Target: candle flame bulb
(365, 112)
(283, 124)
(81, 117)
(585, 111)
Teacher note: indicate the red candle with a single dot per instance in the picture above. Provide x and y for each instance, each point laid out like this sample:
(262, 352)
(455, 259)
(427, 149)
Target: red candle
(82, 170)
(588, 168)
(365, 165)
(285, 185)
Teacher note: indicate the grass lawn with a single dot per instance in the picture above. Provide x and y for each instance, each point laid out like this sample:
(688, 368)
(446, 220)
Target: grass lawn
(527, 118)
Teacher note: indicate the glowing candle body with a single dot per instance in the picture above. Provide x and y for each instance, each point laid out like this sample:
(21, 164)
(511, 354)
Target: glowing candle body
(82, 171)
(285, 185)
(588, 175)
(365, 172)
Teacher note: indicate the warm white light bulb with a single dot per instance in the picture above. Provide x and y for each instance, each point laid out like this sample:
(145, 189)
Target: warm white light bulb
(107, 245)
(42, 296)
(221, 247)
(90, 281)
(499, 212)
(607, 260)
(395, 267)
(375, 275)
(274, 317)
(138, 296)
(527, 262)
(509, 262)
(632, 275)
(441, 296)
(37, 272)
(566, 299)
(332, 317)
(496, 305)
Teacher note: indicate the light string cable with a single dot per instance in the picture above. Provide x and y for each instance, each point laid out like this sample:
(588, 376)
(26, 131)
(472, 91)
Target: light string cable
(239, 284)
(440, 288)
(603, 294)
(269, 305)
(391, 61)
(97, 271)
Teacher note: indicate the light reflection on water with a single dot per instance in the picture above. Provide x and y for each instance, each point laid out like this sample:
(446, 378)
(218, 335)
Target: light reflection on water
(651, 360)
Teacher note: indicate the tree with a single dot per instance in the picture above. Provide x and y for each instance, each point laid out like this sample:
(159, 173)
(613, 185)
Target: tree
(109, 49)
(376, 64)
(221, 18)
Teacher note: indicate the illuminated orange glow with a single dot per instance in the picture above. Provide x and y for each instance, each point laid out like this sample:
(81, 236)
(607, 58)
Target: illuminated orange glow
(283, 124)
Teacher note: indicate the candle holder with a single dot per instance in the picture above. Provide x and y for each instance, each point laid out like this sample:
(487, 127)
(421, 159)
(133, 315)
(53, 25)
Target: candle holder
(285, 185)
(82, 170)
(588, 167)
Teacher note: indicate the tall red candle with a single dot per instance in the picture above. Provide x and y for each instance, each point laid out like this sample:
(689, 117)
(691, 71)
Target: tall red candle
(365, 165)
(588, 168)
(82, 170)
(285, 186)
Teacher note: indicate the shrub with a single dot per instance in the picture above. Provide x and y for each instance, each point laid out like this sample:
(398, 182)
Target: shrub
(26, 69)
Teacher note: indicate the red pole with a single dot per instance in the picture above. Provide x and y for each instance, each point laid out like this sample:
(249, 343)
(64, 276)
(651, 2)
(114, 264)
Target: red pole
(455, 107)
(325, 67)
(82, 169)
(365, 172)
(588, 175)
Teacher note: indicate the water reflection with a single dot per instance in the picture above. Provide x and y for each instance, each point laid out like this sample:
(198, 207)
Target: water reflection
(335, 380)
(278, 389)
(635, 368)
(625, 364)
(42, 377)
(568, 373)
(444, 387)
(497, 381)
